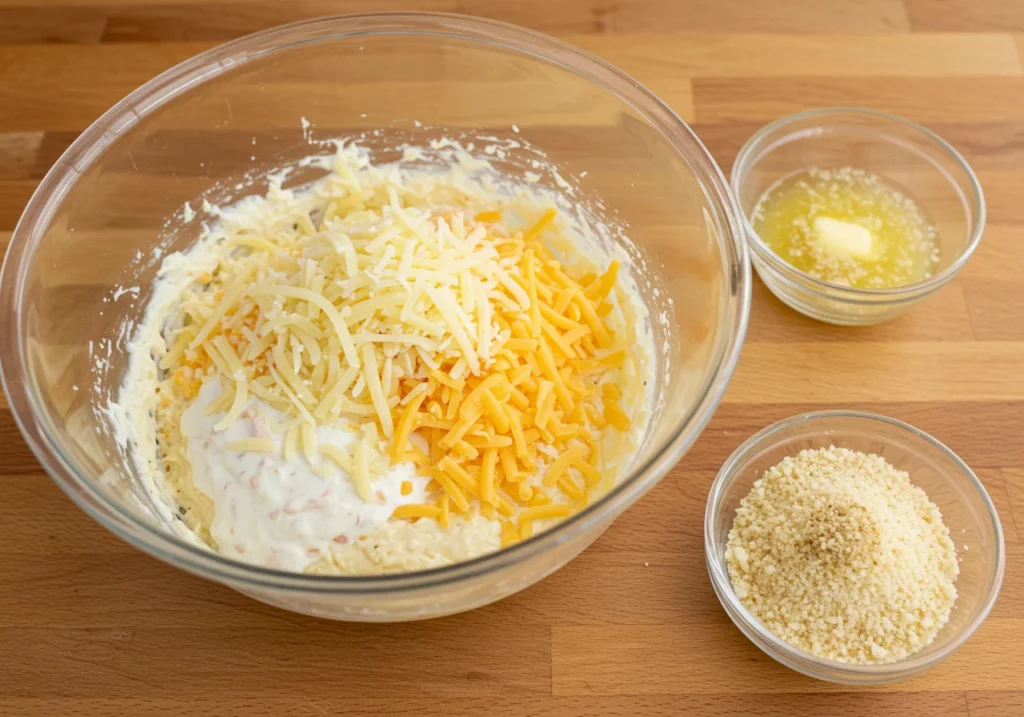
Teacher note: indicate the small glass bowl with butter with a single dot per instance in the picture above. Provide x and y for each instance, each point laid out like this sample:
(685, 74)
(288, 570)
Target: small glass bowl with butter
(853, 215)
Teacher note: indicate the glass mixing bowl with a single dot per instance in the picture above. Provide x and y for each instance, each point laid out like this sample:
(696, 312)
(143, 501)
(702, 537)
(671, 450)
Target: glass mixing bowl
(84, 255)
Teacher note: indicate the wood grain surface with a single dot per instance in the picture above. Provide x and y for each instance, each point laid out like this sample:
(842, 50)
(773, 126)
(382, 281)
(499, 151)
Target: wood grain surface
(90, 626)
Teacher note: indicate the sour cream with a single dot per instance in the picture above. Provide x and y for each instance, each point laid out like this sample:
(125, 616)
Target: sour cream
(275, 512)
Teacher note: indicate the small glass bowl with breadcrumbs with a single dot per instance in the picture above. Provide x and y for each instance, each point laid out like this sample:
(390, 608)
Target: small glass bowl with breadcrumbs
(854, 216)
(852, 547)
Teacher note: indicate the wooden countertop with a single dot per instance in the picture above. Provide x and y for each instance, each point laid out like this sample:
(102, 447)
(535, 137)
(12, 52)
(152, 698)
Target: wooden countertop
(90, 626)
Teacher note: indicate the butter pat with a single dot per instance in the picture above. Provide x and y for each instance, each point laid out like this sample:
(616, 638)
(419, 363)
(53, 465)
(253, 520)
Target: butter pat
(843, 237)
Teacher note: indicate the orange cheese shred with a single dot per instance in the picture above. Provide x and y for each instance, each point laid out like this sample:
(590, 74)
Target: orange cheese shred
(543, 395)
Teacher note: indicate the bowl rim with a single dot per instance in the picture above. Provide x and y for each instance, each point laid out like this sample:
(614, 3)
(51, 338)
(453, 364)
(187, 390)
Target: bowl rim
(39, 432)
(809, 664)
(746, 158)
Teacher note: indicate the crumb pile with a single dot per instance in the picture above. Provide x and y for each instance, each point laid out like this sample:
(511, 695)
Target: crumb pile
(840, 555)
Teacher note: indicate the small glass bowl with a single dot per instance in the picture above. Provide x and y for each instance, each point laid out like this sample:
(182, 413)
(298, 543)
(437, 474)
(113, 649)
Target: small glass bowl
(902, 152)
(950, 484)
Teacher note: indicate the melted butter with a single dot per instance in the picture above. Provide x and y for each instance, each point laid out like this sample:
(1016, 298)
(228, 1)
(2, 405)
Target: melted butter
(848, 227)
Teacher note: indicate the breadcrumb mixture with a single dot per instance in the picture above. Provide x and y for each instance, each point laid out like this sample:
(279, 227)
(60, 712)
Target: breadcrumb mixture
(840, 555)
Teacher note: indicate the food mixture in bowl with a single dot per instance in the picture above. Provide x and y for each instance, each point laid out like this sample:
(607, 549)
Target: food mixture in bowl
(395, 368)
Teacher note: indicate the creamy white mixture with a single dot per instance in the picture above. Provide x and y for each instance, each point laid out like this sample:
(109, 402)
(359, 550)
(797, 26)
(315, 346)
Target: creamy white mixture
(276, 512)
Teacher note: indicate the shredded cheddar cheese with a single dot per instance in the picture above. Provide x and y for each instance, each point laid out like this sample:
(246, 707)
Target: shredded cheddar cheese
(536, 404)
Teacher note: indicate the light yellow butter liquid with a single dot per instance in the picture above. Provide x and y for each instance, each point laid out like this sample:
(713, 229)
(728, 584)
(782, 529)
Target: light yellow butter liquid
(848, 227)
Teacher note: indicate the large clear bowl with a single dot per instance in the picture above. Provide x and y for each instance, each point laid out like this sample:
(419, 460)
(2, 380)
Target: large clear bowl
(965, 505)
(85, 253)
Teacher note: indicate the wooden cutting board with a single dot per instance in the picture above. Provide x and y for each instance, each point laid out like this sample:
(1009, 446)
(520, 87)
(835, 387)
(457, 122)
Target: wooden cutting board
(90, 626)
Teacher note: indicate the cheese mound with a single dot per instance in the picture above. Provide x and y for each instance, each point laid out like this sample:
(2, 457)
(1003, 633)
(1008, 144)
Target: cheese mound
(459, 329)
